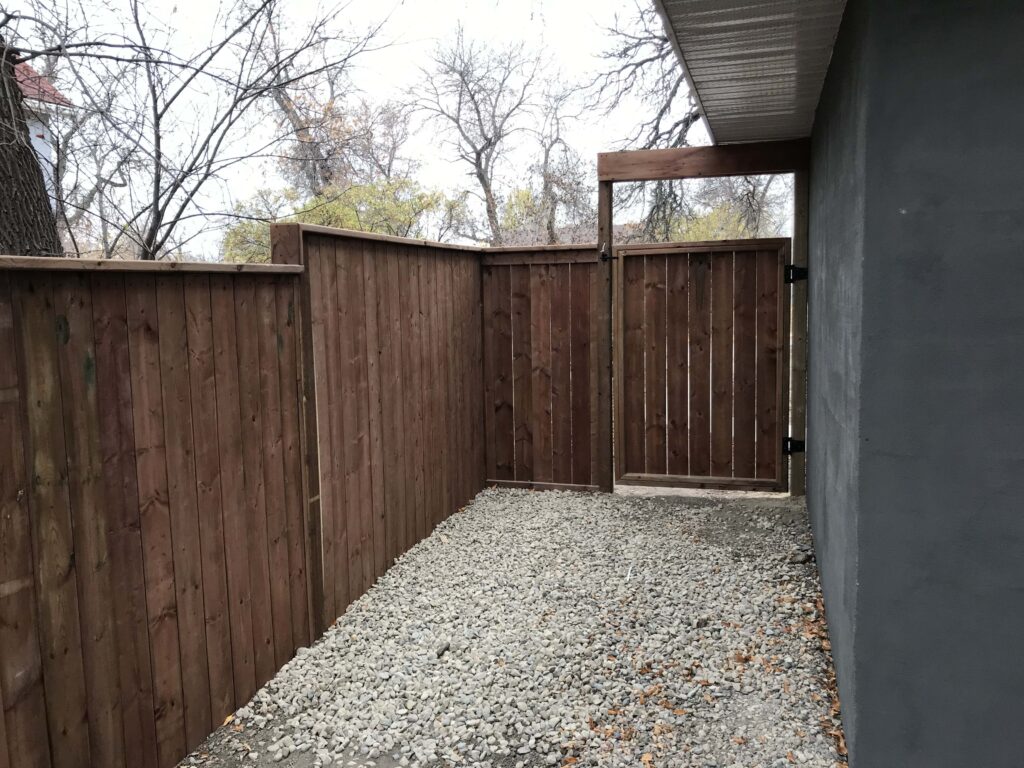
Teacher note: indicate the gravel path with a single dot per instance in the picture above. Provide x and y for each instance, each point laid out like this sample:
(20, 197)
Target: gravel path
(567, 629)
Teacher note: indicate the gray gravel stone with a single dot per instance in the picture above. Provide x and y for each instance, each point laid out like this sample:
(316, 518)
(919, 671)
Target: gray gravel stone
(559, 628)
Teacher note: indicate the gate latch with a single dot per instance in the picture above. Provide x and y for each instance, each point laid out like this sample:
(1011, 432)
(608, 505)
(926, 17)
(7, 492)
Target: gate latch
(791, 446)
(795, 274)
(606, 254)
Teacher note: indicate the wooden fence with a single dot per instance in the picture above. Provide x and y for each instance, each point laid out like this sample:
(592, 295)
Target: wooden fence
(540, 371)
(152, 545)
(701, 364)
(394, 400)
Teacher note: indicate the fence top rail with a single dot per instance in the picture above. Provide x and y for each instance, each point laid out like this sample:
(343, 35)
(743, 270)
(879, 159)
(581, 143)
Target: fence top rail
(703, 246)
(120, 265)
(354, 234)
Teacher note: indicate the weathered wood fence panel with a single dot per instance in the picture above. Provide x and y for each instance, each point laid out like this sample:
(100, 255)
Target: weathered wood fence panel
(394, 402)
(539, 368)
(152, 556)
(700, 364)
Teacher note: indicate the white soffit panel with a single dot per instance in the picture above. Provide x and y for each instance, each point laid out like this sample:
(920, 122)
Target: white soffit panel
(756, 67)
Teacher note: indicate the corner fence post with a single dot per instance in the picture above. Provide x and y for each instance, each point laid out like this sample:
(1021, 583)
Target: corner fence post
(286, 247)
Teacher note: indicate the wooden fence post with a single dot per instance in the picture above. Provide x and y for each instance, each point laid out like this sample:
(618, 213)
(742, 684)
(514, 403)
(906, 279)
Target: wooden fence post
(603, 473)
(286, 247)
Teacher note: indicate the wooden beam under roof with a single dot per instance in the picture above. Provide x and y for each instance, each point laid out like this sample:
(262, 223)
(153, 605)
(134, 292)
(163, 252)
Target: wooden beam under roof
(701, 162)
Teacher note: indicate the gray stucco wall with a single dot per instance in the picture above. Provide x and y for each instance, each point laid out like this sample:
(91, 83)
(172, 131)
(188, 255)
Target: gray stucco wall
(916, 431)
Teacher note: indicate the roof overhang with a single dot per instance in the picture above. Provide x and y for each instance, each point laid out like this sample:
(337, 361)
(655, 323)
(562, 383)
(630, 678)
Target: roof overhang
(755, 67)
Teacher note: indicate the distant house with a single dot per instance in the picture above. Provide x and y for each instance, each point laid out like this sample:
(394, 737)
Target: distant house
(42, 102)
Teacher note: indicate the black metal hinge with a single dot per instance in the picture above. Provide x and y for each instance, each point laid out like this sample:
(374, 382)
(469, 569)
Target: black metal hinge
(791, 446)
(795, 273)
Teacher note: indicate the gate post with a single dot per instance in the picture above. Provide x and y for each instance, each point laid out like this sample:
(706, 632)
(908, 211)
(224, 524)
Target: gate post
(286, 247)
(603, 475)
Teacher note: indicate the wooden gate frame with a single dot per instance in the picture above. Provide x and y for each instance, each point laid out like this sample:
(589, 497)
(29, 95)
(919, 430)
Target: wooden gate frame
(792, 156)
(783, 247)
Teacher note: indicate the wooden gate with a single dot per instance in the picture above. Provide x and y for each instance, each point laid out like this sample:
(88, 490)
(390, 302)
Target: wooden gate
(700, 390)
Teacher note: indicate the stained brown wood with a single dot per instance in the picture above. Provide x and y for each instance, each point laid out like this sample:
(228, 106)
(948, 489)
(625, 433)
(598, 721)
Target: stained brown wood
(203, 394)
(561, 376)
(700, 363)
(133, 636)
(273, 469)
(183, 509)
(721, 364)
(655, 364)
(633, 422)
(502, 361)
(601, 302)
(677, 365)
(522, 372)
(151, 468)
(23, 709)
(769, 371)
(372, 266)
(698, 162)
(59, 264)
(540, 383)
(77, 362)
(580, 279)
(232, 487)
(247, 327)
(798, 338)
(745, 361)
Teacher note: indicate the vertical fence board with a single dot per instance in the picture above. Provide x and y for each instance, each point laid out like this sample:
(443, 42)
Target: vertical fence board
(721, 364)
(246, 323)
(203, 393)
(522, 372)
(540, 381)
(77, 362)
(23, 707)
(655, 364)
(391, 407)
(372, 269)
(678, 365)
(151, 467)
(561, 375)
(768, 369)
(232, 487)
(744, 355)
(700, 363)
(273, 468)
(184, 512)
(288, 346)
(633, 419)
(580, 279)
(502, 355)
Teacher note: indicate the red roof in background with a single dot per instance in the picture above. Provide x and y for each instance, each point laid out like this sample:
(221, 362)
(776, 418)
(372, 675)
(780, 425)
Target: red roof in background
(35, 86)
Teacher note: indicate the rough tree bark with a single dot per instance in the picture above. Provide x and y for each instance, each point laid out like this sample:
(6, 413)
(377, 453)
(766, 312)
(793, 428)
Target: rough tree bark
(28, 226)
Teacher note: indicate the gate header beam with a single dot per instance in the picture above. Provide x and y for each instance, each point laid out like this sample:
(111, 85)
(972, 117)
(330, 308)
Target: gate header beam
(701, 162)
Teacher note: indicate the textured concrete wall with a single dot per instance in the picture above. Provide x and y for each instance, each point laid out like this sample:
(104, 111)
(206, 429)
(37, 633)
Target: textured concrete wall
(917, 379)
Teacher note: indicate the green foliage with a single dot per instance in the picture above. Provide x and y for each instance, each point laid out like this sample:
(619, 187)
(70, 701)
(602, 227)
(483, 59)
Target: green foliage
(391, 207)
(723, 222)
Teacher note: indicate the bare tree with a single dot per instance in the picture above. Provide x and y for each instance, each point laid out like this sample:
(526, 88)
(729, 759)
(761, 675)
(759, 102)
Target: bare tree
(481, 95)
(181, 117)
(27, 223)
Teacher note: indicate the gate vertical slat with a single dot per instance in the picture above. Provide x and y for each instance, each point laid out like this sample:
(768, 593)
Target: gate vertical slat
(580, 279)
(655, 363)
(700, 364)
(745, 357)
(677, 397)
(633, 420)
(721, 364)
(768, 369)
(540, 380)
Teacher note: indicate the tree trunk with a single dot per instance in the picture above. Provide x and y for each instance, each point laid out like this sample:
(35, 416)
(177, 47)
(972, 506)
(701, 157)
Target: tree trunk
(28, 226)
